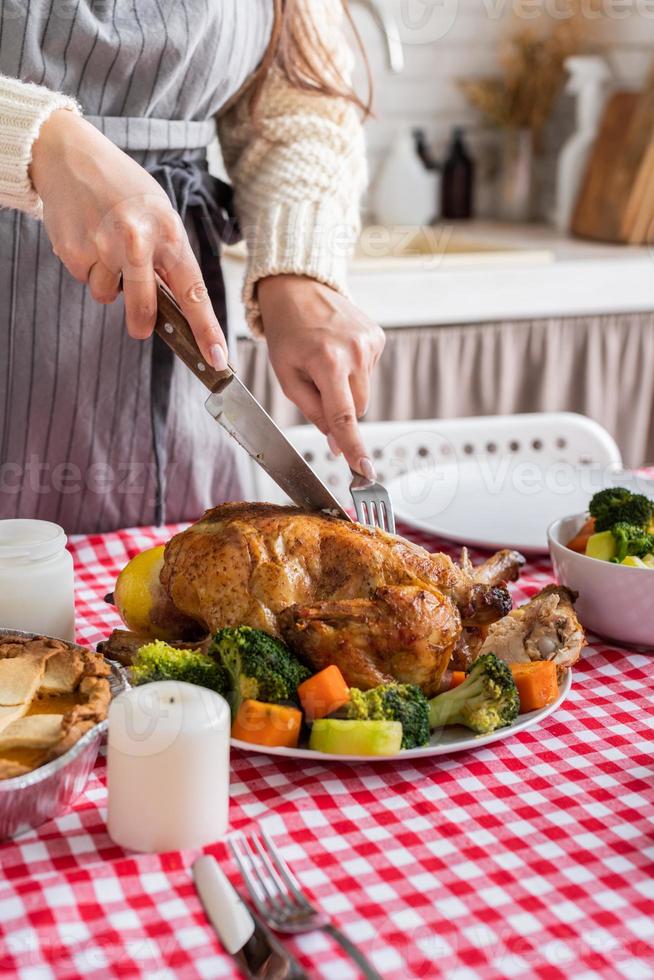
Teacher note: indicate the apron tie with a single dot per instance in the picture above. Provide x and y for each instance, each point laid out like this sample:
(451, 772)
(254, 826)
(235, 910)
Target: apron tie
(207, 203)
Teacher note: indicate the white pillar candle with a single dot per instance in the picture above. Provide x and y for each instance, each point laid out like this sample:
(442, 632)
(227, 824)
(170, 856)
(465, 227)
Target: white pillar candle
(168, 767)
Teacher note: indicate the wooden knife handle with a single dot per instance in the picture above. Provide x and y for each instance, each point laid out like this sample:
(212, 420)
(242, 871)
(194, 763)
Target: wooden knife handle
(173, 328)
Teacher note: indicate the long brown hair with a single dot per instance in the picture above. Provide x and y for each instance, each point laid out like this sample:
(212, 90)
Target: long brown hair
(296, 48)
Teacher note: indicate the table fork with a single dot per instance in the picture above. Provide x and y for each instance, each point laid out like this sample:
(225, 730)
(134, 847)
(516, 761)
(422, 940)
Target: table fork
(278, 898)
(372, 503)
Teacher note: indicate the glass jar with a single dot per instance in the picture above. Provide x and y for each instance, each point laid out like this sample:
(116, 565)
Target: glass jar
(36, 579)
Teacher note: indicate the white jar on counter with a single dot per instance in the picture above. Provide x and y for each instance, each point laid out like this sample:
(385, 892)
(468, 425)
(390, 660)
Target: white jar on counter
(37, 591)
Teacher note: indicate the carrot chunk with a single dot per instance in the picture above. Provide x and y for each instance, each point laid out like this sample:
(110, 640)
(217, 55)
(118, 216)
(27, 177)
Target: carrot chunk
(537, 684)
(267, 724)
(580, 540)
(323, 693)
(458, 677)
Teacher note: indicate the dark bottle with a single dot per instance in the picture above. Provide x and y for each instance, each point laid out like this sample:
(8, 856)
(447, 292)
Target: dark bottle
(458, 179)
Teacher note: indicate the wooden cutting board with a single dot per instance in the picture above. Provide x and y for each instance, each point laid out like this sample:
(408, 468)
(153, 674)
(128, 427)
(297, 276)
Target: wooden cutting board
(616, 203)
(638, 219)
(610, 174)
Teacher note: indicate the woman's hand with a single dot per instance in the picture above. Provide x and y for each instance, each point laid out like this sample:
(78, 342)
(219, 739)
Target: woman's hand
(107, 217)
(323, 350)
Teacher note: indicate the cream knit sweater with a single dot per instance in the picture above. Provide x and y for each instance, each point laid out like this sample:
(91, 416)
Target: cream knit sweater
(298, 173)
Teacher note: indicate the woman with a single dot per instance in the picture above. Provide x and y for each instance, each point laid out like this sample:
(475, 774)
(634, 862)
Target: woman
(106, 112)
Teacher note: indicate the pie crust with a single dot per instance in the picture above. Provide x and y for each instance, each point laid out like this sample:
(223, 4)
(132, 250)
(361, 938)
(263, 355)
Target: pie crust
(51, 693)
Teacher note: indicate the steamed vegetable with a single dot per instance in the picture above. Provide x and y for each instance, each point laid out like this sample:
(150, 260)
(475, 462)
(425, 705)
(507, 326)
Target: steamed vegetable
(624, 528)
(257, 665)
(580, 540)
(393, 702)
(486, 700)
(632, 540)
(157, 661)
(616, 505)
(602, 546)
(323, 693)
(339, 736)
(635, 562)
(537, 684)
(619, 542)
(267, 724)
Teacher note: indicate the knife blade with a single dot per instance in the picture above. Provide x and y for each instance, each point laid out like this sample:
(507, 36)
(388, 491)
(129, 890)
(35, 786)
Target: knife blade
(259, 954)
(237, 410)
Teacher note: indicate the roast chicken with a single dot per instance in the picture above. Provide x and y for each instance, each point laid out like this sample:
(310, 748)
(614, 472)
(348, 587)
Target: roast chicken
(338, 593)
(374, 604)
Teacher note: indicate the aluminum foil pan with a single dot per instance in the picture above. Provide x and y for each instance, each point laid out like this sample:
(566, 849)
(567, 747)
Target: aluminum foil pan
(47, 792)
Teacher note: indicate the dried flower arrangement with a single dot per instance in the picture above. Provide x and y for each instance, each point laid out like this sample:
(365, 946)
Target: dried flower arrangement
(533, 73)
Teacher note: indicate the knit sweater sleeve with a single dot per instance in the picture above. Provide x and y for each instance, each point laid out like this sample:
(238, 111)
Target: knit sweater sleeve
(23, 110)
(298, 171)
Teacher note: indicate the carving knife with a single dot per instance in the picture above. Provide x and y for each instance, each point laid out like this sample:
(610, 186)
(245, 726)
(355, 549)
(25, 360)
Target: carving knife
(241, 415)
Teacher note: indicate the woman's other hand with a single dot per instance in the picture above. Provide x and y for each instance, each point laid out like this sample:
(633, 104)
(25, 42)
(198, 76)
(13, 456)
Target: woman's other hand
(106, 217)
(323, 350)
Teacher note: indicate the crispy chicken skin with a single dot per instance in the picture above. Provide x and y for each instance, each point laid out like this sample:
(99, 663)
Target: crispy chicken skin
(402, 632)
(356, 593)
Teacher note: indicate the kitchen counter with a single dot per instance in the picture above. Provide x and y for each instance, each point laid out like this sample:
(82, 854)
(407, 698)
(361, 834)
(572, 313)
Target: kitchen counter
(505, 319)
(520, 272)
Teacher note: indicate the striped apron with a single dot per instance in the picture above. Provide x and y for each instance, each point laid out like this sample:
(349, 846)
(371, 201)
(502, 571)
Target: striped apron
(99, 431)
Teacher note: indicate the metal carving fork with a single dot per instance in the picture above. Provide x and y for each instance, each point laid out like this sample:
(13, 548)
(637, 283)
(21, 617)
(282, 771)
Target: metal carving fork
(372, 503)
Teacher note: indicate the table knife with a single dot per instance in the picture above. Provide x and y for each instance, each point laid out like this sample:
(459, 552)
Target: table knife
(241, 415)
(259, 954)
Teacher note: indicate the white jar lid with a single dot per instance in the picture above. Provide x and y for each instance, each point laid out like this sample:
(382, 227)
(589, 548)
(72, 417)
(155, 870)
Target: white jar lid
(30, 540)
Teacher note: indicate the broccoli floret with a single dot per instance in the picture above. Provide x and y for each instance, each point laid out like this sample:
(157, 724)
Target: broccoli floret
(616, 505)
(157, 661)
(392, 702)
(631, 540)
(487, 699)
(258, 666)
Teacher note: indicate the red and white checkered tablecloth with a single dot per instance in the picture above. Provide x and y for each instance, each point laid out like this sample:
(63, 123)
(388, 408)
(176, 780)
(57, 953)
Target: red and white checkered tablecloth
(533, 857)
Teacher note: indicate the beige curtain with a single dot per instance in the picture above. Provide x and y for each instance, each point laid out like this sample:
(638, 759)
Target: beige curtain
(602, 366)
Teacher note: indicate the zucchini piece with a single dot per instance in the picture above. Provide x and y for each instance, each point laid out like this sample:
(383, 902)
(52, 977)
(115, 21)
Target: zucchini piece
(340, 736)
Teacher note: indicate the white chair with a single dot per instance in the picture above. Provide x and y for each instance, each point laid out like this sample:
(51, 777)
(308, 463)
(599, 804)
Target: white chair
(398, 447)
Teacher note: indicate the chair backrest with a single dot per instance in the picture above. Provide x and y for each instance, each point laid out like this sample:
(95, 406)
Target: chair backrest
(398, 447)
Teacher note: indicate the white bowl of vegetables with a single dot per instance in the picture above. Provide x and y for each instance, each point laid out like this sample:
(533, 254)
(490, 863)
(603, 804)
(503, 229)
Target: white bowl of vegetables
(607, 556)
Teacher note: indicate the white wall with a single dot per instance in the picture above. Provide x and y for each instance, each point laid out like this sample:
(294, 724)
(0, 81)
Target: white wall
(449, 39)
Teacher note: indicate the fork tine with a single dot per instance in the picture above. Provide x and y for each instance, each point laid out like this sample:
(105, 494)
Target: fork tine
(391, 520)
(271, 894)
(260, 905)
(389, 516)
(359, 508)
(281, 889)
(285, 872)
(372, 510)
